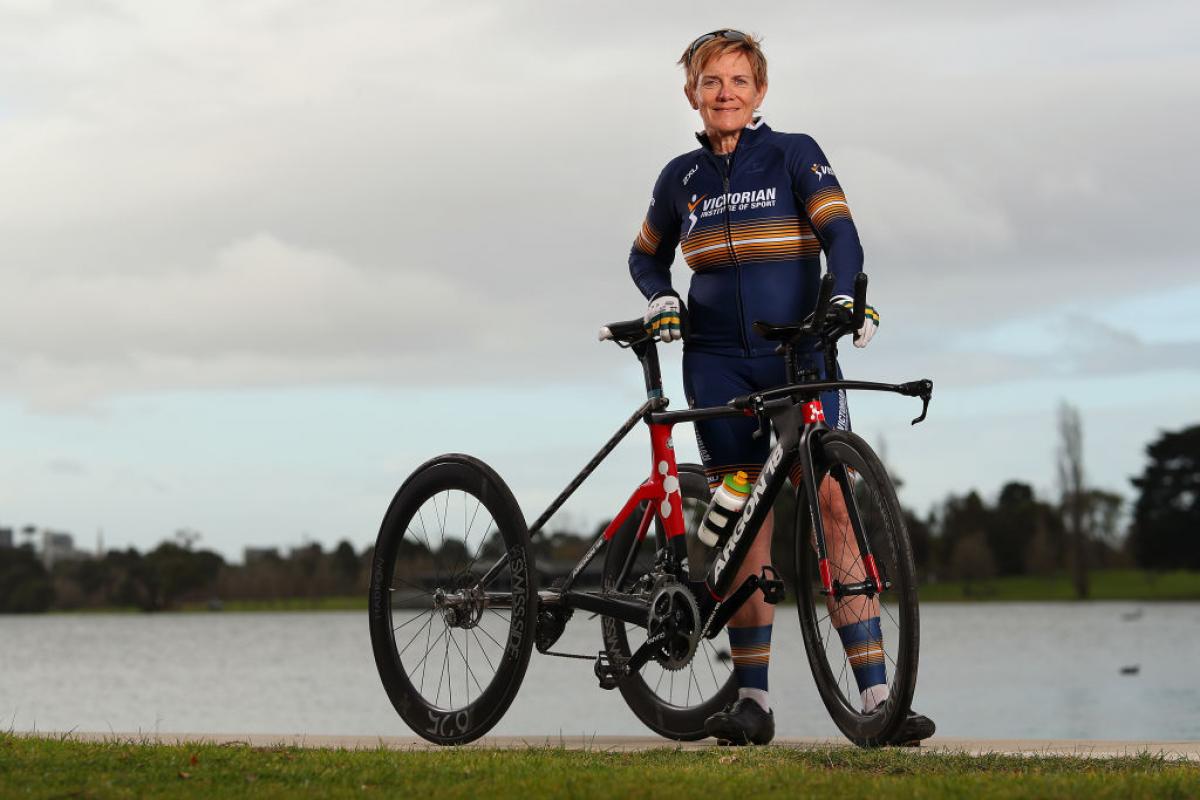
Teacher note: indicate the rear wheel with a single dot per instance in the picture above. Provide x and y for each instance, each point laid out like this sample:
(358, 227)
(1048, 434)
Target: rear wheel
(672, 703)
(863, 483)
(452, 649)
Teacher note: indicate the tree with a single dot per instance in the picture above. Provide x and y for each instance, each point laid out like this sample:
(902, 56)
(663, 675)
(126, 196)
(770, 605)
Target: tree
(971, 560)
(1101, 519)
(1073, 491)
(1042, 552)
(24, 585)
(960, 517)
(174, 572)
(1012, 526)
(346, 566)
(1166, 518)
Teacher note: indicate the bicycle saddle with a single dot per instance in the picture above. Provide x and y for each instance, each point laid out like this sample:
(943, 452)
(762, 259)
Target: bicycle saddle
(627, 332)
(777, 333)
(835, 320)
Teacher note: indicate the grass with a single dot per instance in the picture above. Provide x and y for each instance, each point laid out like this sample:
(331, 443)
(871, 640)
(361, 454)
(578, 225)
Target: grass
(39, 767)
(1112, 584)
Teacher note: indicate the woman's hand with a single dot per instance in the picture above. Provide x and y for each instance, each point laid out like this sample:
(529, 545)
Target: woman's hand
(663, 318)
(863, 335)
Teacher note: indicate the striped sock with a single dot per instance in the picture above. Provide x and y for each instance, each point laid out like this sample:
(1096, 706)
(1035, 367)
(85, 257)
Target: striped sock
(864, 647)
(751, 651)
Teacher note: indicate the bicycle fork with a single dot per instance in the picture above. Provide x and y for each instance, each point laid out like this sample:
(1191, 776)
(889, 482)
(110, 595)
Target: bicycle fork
(873, 583)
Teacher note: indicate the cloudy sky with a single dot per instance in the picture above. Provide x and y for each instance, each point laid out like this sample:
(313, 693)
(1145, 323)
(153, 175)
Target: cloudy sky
(258, 260)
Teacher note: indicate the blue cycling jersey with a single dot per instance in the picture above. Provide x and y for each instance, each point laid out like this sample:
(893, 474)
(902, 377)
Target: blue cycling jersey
(752, 225)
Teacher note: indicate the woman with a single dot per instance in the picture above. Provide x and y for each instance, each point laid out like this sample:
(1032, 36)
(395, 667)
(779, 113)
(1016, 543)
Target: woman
(752, 210)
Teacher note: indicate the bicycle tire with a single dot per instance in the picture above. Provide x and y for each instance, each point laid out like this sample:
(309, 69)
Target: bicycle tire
(900, 620)
(679, 721)
(402, 591)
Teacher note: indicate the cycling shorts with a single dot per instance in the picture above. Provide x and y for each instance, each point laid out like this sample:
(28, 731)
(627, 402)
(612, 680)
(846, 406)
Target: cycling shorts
(728, 444)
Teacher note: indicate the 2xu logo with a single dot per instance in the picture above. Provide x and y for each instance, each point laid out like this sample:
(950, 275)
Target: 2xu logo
(520, 578)
(751, 503)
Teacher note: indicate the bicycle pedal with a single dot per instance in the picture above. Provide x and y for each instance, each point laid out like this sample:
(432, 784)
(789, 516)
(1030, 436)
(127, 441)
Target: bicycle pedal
(771, 586)
(773, 591)
(608, 672)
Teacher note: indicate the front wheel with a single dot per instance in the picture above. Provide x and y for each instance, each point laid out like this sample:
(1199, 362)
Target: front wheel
(848, 470)
(451, 635)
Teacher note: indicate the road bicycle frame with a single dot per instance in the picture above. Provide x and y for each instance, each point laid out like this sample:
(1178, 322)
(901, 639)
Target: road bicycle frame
(793, 410)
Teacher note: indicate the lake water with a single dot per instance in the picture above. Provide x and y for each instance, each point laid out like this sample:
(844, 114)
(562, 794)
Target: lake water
(993, 671)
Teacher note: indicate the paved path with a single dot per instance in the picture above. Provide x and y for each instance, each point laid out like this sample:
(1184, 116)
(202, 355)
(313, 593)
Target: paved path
(1068, 747)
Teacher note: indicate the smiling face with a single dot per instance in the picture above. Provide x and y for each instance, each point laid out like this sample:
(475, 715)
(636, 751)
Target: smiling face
(726, 94)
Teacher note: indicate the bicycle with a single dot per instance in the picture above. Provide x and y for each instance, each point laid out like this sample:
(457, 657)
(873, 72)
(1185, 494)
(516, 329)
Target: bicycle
(477, 589)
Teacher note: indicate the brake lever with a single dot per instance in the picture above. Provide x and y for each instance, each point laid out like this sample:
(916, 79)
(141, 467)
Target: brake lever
(922, 389)
(924, 408)
(760, 411)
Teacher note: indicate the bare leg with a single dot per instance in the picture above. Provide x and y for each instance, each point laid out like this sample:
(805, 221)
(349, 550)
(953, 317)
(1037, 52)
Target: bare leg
(846, 565)
(750, 628)
(756, 610)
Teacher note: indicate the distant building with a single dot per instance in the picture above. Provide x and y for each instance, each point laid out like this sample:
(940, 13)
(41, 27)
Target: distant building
(6, 537)
(57, 546)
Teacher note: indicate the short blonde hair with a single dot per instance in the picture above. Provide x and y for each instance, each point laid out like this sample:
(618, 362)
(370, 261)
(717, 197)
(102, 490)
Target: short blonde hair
(694, 63)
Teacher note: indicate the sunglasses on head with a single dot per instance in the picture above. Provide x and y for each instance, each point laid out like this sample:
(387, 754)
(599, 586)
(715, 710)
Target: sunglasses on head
(724, 33)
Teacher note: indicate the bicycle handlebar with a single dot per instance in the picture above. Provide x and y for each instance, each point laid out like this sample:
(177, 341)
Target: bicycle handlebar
(817, 325)
(750, 402)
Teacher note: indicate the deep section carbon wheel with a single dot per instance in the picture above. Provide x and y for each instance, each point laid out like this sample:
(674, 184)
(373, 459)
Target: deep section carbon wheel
(451, 631)
(860, 480)
(671, 700)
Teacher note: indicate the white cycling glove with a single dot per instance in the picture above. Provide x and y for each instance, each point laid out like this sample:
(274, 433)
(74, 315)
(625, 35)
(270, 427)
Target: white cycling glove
(663, 319)
(862, 337)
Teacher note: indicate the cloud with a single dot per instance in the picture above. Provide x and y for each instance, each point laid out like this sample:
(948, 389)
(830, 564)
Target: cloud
(262, 312)
(286, 193)
(1094, 347)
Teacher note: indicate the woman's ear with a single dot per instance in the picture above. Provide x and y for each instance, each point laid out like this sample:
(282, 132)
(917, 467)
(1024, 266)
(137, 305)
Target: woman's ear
(687, 92)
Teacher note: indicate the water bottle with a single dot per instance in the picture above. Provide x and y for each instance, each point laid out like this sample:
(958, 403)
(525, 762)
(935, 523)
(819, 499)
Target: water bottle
(724, 508)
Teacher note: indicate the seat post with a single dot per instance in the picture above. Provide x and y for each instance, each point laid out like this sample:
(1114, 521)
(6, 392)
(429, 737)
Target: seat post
(831, 353)
(647, 353)
(789, 359)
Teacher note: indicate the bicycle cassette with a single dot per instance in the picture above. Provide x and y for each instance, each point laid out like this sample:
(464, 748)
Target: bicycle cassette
(674, 620)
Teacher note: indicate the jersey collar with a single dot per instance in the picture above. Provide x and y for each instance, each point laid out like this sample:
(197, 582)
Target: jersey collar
(757, 127)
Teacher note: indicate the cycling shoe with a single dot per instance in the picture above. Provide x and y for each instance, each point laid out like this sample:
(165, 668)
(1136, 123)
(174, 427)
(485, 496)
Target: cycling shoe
(744, 722)
(914, 728)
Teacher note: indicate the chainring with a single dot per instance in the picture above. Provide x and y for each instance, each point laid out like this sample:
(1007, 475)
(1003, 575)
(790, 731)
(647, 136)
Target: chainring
(675, 617)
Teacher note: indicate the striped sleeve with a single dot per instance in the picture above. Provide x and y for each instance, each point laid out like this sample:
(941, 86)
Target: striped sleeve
(820, 194)
(653, 249)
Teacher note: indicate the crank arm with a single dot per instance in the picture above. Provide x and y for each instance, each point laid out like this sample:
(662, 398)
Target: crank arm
(644, 653)
(725, 609)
